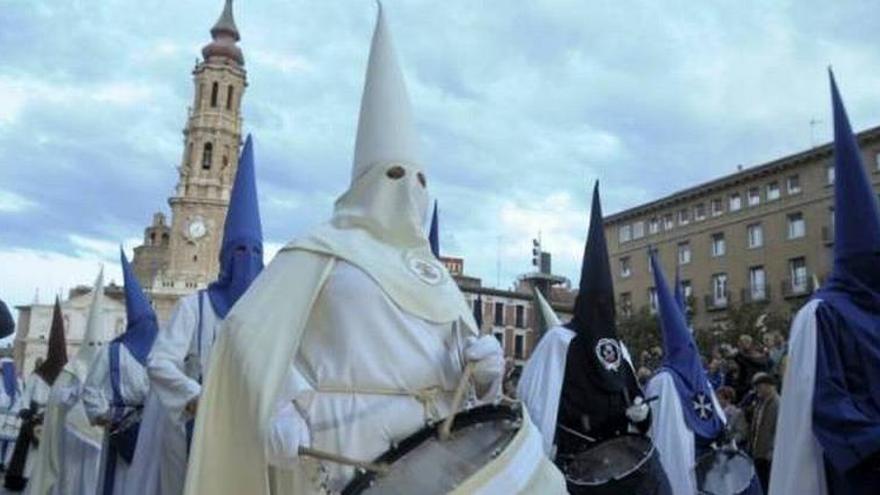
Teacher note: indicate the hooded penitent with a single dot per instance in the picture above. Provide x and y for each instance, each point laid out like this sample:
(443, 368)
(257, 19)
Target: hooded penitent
(434, 233)
(241, 254)
(681, 360)
(94, 337)
(7, 324)
(56, 355)
(847, 388)
(595, 345)
(141, 326)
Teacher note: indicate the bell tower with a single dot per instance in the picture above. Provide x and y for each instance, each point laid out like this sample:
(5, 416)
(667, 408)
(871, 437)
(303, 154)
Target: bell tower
(187, 257)
(210, 156)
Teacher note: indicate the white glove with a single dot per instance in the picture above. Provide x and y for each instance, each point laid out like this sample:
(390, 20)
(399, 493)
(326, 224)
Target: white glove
(488, 358)
(638, 411)
(289, 432)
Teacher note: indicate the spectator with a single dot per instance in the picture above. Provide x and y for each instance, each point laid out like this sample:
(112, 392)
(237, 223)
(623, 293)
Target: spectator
(716, 373)
(736, 420)
(751, 360)
(763, 427)
(776, 351)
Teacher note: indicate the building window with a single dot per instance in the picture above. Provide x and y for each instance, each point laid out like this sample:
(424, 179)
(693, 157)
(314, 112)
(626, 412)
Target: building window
(684, 253)
(797, 268)
(793, 184)
(654, 226)
(215, 88)
(499, 314)
(626, 304)
(717, 207)
(718, 245)
(624, 233)
(829, 174)
(772, 191)
(229, 92)
(877, 160)
(756, 235)
(652, 299)
(719, 289)
(519, 346)
(757, 284)
(684, 216)
(700, 212)
(796, 225)
(638, 230)
(657, 253)
(625, 267)
(735, 202)
(687, 289)
(520, 317)
(754, 196)
(668, 221)
(207, 153)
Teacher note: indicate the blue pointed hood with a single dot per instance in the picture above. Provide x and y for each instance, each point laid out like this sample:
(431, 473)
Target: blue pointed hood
(434, 233)
(856, 217)
(682, 360)
(680, 298)
(596, 343)
(241, 254)
(141, 326)
(10, 380)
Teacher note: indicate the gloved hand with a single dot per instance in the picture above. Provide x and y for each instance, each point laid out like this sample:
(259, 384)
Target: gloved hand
(638, 411)
(488, 358)
(289, 432)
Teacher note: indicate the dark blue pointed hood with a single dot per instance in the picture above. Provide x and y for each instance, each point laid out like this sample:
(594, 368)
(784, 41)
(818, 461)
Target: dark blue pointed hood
(141, 326)
(10, 380)
(593, 322)
(681, 359)
(434, 233)
(241, 254)
(7, 324)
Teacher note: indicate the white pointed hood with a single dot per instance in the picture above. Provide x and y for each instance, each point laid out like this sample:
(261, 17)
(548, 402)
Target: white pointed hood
(386, 129)
(378, 223)
(547, 316)
(94, 337)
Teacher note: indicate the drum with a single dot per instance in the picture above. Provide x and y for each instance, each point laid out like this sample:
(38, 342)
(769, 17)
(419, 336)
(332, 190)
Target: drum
(623, 464)
(425, 465)
(724, 471)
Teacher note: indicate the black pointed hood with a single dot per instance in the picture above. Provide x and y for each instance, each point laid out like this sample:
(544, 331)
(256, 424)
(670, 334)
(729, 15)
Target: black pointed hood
(594, 311)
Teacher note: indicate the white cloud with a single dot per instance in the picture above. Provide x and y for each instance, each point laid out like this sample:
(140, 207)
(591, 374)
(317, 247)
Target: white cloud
(11, 202)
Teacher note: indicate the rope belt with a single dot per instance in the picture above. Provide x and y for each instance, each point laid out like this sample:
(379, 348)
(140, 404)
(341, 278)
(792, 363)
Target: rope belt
(427, 396)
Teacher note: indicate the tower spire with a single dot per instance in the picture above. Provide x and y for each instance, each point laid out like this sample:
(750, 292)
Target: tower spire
(224, 35)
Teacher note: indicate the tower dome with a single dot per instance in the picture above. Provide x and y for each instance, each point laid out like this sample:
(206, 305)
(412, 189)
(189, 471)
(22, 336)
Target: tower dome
(224, 35)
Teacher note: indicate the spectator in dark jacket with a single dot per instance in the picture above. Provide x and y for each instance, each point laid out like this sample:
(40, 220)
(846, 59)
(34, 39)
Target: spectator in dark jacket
(763, 428)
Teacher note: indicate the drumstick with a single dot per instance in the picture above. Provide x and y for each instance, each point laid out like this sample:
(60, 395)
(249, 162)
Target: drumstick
(446, 427)
(338, 459)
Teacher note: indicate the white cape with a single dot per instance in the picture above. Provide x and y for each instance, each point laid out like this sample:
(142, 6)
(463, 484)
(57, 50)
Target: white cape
(672, 437)
(797, 466)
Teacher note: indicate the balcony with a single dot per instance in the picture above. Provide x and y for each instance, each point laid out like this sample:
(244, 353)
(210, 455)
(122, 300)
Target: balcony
(758, 294)
(715, 303)
(797, 287)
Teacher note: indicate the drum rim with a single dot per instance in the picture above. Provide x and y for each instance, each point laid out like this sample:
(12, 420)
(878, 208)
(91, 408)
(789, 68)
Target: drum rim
(635, 468)
(712, 453)
(364, 479)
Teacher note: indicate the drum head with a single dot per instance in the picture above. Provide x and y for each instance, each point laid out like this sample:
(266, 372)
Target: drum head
(611, 460)
(724, 472)
(424, 465)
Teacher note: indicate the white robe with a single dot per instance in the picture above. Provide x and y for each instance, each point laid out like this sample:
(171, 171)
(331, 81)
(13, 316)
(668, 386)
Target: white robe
(68, 460)
(178, 360)
(540, 384)
(798, 465)
(36, 391)
(9, 422)
(359, 369)
(672, 437)
(97, 394)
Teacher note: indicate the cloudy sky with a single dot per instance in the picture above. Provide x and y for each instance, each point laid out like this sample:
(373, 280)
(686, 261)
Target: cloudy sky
(520, 105)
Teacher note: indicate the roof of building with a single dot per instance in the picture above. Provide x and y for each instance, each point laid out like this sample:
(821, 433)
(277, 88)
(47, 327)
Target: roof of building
(739, 177)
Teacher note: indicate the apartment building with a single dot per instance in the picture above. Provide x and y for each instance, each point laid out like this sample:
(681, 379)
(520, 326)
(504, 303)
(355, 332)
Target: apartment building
(762, 235)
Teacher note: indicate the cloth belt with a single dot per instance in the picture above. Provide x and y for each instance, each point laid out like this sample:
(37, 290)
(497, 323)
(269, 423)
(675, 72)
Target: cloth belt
(427, 396)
